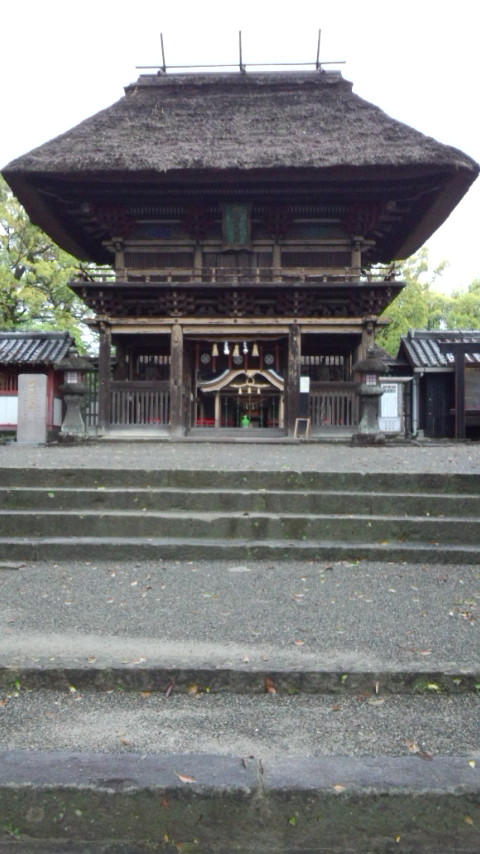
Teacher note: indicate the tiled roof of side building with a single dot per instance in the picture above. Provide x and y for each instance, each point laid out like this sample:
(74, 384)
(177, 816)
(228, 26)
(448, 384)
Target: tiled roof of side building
(33, 348)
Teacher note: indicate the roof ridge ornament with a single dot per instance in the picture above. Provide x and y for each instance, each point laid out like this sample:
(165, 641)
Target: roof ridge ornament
(164, 68)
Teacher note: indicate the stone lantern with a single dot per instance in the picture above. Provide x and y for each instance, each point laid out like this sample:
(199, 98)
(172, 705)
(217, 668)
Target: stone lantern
(73, 388)
(369, 392)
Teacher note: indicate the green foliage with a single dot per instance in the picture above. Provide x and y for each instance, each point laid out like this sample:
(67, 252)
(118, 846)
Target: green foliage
(420, 306)
(34, 276)
(464, 310)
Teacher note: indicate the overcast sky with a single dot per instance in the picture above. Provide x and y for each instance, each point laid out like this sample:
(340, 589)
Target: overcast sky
(63, 61)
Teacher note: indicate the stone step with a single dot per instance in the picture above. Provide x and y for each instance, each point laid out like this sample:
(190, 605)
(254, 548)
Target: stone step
(213, 707)
(127, 803)
(48, 548)
(142, 664)
(98, 478)
(250, 500)
(241, 526)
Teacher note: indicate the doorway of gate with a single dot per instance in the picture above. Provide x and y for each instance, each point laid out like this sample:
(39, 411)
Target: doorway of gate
(239, 385)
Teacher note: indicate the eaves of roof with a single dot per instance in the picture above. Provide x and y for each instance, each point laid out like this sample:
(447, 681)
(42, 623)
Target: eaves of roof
(35, 348)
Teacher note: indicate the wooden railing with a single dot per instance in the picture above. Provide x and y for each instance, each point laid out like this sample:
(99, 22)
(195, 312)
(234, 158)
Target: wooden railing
(231, 276)
(333, 405)
(139, 404)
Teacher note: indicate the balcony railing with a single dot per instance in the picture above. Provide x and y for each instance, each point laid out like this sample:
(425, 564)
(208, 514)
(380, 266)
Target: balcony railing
(231, 276)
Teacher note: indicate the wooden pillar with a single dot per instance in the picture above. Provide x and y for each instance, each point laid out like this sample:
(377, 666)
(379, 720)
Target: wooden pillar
(459, 395)
(277, 259)
(176, 380)
(293, 377)
(218, 412)
(104, 357)
(197, 263)
(368, 338)
(357, 253)
(459, 350)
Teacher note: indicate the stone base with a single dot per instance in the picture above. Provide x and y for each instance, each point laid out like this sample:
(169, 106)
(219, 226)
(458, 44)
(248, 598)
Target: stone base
(72, 438)
(368, 439)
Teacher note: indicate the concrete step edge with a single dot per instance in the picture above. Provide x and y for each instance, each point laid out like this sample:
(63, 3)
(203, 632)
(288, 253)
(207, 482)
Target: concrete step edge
(219, 803)
(446, 483)
(437, 680)
(216, 515)
(124, 548)
(244, 491)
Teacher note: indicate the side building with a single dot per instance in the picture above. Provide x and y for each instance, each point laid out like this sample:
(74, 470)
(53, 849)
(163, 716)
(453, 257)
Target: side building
(245, 227)
(33, 352)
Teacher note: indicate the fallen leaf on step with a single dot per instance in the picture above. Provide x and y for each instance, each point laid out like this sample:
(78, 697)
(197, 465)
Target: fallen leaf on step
(270, 686)
(425, 754)
(468, 819)
(339, 788)
(194, 690)
(170, 688)
(375, 701)
(412, 745)
(185, 778)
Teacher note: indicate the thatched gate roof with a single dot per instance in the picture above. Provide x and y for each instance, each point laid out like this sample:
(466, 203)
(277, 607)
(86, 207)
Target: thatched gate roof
(280, 127)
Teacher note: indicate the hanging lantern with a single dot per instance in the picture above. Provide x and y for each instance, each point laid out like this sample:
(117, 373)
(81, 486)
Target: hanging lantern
(226, 349)
(215, 350)
(236, 351)
(255, 352)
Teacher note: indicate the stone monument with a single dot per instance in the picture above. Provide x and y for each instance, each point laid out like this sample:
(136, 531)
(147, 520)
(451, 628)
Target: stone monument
(32, 409)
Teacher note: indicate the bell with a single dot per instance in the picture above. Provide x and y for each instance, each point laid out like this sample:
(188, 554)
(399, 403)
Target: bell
(215, 350)
(236, 350)
(255, 352)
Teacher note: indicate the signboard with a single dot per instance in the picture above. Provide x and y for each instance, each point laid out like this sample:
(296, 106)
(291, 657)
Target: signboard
(236, 225)
(390, 420)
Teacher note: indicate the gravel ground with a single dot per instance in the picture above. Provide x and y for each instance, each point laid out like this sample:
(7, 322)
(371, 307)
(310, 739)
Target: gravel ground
(425, 457)
(265, 726)
(366, 614)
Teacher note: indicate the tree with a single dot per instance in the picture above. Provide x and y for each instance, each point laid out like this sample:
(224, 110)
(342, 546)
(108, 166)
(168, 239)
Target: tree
(34, 276)
(418, 306)
(464, 308)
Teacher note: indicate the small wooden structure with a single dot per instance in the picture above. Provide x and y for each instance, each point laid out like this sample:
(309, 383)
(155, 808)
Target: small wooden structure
(35, 352)
(246, 218)
(446, 381)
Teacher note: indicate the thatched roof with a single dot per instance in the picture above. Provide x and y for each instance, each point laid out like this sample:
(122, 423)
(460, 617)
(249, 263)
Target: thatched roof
(274, 126)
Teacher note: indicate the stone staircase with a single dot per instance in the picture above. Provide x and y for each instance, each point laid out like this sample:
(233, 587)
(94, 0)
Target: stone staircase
(201, 661)
(114, 514)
